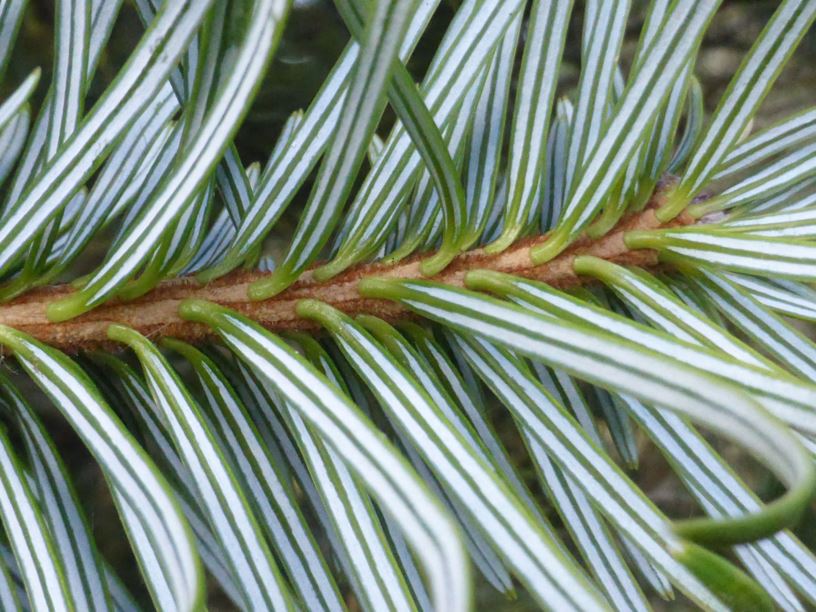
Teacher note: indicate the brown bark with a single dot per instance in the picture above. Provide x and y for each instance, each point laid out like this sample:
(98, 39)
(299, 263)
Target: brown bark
(156, 314)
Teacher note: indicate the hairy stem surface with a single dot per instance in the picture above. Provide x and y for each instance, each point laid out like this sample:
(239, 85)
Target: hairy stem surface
(155, 314)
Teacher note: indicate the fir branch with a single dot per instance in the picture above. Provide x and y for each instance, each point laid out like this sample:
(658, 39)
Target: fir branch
(155, 314)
